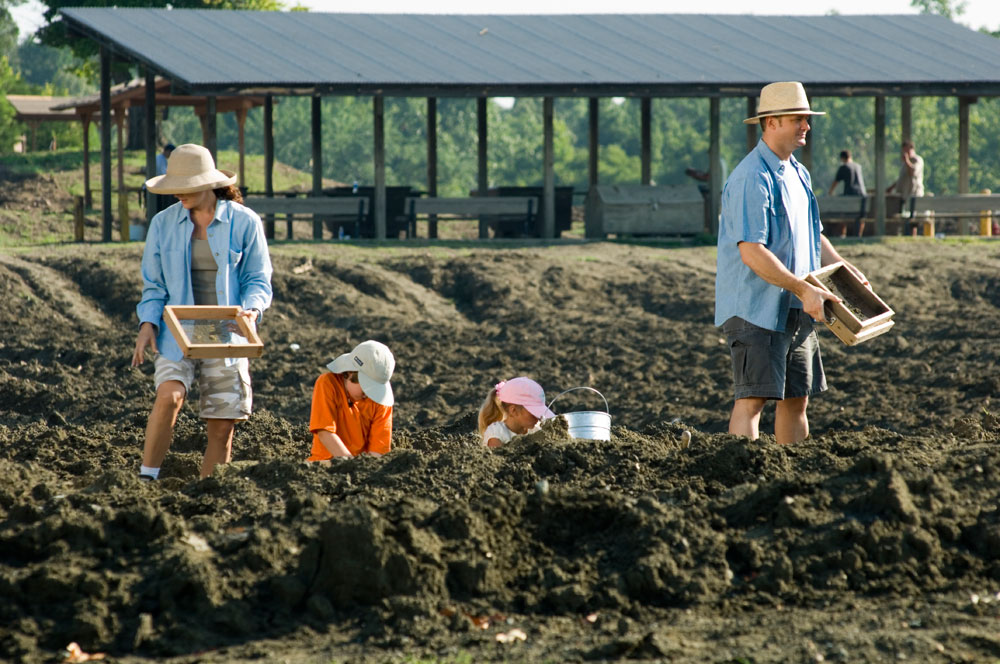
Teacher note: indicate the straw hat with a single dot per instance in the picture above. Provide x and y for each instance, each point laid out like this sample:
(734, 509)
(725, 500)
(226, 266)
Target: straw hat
(190, 169)
(785, 98)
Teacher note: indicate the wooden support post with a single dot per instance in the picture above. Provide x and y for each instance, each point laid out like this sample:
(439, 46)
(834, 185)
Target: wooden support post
(714, 166)
(905, 118)
(78, 218)
(121, 113)
(241, 134)
(483, 181)
(646, 140)
(963, 143)
(548, 171)
(149, 109)
(317, 161)
(432, 163)
(211, 128)
(752, 128)
(378, 106)
(88, 195)
(593, 142)
(269, 161)
(106, 216)
(880, 177)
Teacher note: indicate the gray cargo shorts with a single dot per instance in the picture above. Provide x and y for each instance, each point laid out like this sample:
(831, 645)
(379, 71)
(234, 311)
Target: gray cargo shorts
(224, 392)
(775, 365)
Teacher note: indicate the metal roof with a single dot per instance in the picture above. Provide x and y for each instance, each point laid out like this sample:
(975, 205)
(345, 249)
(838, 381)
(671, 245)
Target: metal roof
(225, 51)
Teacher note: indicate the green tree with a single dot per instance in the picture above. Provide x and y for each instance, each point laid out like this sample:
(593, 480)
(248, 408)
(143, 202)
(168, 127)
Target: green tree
(8, 28)
(10, 83)
(949, 8)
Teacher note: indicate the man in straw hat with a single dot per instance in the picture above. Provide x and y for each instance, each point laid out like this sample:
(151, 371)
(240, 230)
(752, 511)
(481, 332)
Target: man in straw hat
(769, 240)
(205, 249)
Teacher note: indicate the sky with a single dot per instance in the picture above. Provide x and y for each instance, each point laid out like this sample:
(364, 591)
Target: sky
(978, 13)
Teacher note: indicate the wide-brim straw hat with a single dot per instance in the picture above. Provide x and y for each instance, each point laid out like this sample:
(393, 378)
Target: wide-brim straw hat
(783, 98)
(190, 169)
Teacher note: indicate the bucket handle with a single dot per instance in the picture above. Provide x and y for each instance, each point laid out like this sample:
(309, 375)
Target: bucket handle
(606, 408)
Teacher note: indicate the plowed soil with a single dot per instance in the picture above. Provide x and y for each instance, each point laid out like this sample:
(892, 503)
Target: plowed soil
(878, 539)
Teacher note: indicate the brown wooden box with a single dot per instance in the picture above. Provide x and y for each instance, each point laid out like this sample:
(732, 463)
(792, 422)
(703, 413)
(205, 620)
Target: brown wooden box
(173, 315)
(862, 315)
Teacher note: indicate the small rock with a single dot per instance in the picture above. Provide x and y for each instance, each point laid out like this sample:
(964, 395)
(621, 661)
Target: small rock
(542, 487)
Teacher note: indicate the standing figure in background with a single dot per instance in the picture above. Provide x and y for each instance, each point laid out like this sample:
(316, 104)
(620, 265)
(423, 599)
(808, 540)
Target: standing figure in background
(205, 249)
(910, 183)
(850, 174)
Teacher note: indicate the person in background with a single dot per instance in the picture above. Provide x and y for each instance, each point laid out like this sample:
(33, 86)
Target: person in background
(163, 157)
(205, 249)
(910, 183)
(770, 238)
(850, 174)
(352, 404)
(512, 407)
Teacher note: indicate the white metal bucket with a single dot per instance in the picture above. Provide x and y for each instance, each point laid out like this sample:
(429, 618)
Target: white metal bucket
(587, 424)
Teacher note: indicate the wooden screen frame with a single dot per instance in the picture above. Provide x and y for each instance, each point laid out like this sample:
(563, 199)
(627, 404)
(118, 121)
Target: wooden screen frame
(843, 323)
(174, 314)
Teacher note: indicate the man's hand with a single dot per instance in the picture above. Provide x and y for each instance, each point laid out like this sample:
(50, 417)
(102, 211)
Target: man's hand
(814, 299)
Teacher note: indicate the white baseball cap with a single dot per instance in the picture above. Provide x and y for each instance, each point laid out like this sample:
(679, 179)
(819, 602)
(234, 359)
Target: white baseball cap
(374, 363)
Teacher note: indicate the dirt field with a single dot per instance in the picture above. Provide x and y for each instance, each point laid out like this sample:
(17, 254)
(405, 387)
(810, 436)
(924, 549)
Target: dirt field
(876, 540)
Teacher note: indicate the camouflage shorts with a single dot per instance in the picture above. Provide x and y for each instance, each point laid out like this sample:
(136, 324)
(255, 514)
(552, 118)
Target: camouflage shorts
(224, 391)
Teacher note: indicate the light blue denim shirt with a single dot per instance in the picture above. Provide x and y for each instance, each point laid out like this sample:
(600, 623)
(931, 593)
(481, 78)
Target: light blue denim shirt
(753, 211)
(236, 237)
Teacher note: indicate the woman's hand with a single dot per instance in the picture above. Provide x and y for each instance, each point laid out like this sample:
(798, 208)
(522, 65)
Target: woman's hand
(251, 315)
(147, 337)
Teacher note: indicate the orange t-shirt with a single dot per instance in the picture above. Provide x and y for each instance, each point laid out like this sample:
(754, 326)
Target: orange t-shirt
(364, 426)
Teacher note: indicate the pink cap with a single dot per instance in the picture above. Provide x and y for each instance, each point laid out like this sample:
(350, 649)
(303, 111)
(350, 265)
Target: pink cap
(524, 392)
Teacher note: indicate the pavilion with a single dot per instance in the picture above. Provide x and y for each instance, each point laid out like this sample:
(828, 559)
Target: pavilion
(213, 54)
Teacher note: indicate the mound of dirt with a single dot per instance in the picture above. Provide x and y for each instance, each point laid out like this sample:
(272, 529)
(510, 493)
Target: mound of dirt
(876, 539)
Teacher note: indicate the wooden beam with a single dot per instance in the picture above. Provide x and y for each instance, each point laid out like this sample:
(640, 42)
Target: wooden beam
(548, 170)
(378, 105)
(645, 140)
(105, 144)
(483, 186)
(432, 161)
(880, 176)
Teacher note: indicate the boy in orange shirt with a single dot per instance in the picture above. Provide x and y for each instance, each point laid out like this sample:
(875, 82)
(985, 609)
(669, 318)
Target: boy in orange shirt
(352, 405)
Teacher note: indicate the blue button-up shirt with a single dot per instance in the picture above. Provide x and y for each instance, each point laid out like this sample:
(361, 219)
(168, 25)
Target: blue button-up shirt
(753, 211)
(236, 237)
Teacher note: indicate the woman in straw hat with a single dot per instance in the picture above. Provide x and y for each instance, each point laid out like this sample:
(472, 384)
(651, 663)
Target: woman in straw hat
(205, 249)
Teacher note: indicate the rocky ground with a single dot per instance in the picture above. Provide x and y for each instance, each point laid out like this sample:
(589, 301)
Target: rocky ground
(877, 539)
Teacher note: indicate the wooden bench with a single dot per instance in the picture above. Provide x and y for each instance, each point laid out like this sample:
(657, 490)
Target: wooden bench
(332, 208)
(482, 208)
(963, 207)
(843, 209)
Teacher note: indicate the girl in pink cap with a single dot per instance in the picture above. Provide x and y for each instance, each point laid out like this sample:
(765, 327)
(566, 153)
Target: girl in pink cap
(512, 408)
